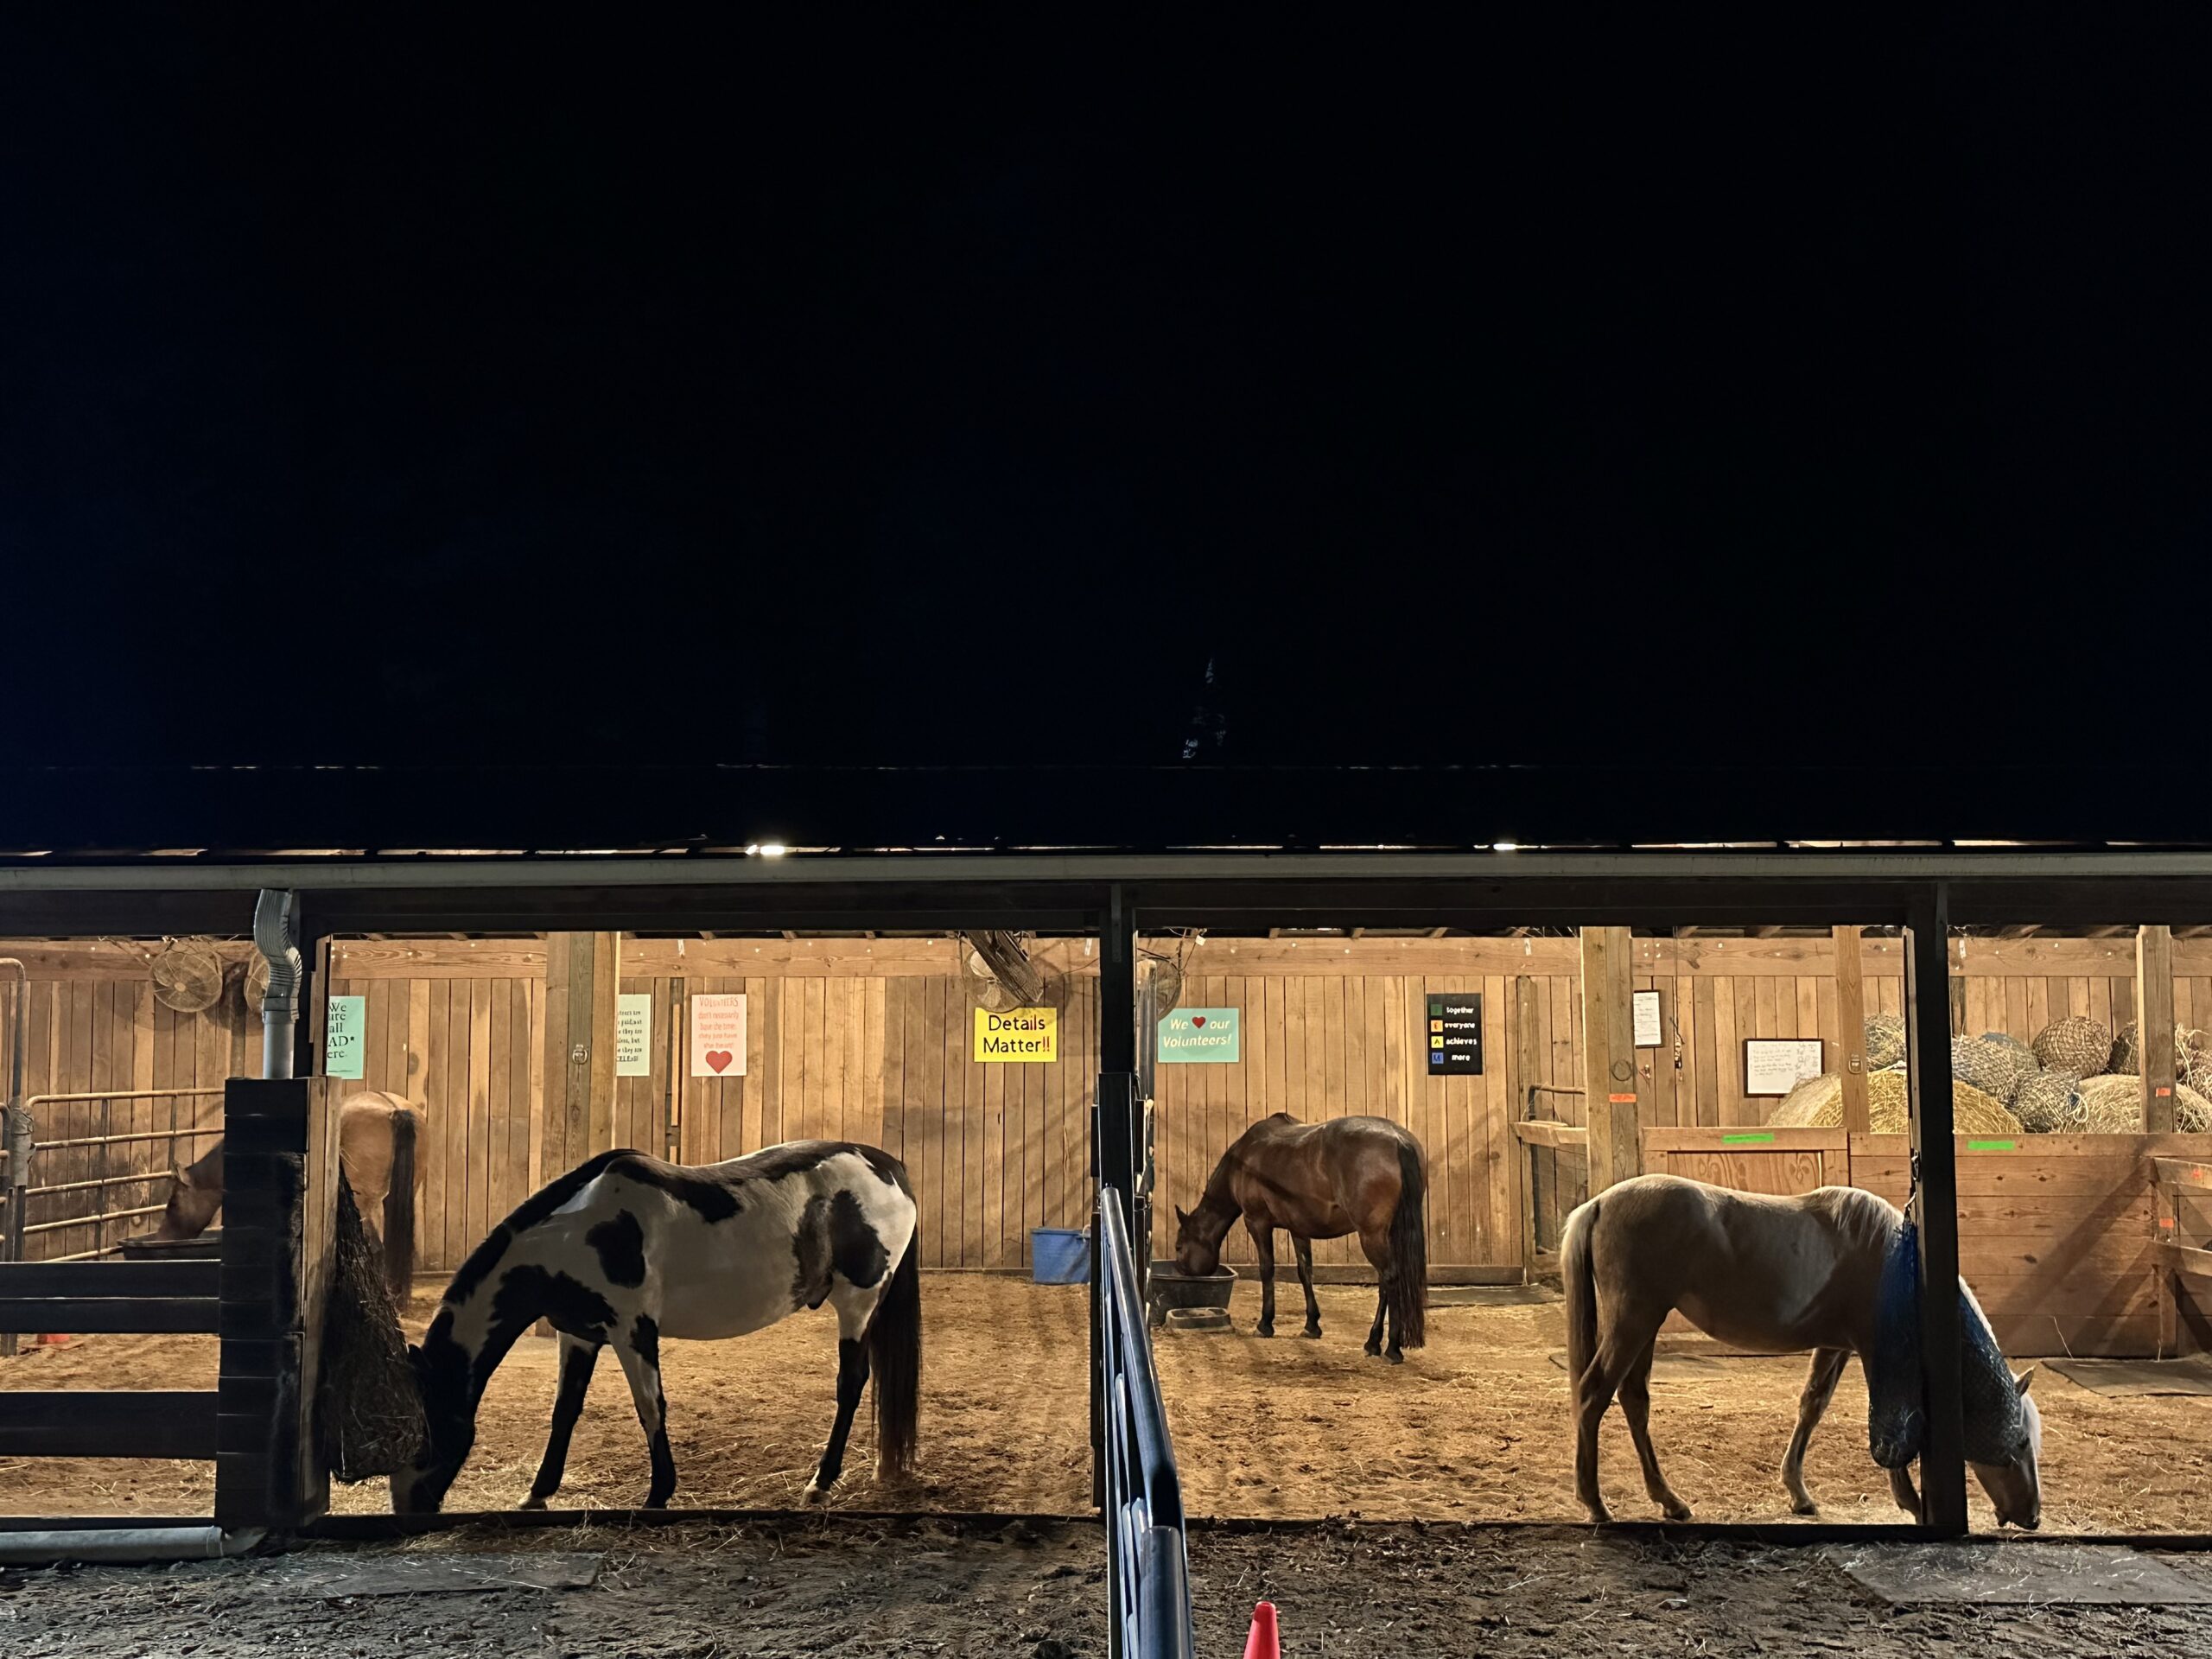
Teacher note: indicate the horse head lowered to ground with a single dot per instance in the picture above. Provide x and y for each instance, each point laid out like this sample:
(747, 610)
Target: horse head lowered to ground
(1835, 1271)
(626, 1250)
(1362, 1175)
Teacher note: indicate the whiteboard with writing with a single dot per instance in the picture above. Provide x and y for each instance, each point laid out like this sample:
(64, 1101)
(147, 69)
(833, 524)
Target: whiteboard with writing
(1775, 1065)
(1648, 1033)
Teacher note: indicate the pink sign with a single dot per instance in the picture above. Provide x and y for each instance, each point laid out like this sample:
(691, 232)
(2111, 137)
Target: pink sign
(718, 1036)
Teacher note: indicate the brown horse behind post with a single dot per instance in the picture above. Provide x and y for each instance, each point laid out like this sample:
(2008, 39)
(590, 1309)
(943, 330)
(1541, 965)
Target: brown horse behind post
(376, 1149)
(1363, 1175)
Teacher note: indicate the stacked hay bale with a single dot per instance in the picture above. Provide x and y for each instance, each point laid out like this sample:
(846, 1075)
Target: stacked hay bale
(1817, 1103)
(2112, 1104)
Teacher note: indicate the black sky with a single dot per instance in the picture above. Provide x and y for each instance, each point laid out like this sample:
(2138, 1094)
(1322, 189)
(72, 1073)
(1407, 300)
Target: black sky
(958, 384)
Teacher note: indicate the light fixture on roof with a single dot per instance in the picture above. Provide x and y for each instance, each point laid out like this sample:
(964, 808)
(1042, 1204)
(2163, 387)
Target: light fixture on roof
(1505, 847)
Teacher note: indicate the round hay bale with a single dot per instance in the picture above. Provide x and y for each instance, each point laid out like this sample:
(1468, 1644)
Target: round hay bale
(1884, 1041)
(2115, 1106)
(1997, 1068)
(2049, 1102)
(2076, 1044)
(1813, 1104)
(1972, 1111)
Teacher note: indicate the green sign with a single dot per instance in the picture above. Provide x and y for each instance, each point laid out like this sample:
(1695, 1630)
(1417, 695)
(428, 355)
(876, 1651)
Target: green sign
(345, 1037)
(1992, 1145)
(1201, 1037)
(1745, 1140)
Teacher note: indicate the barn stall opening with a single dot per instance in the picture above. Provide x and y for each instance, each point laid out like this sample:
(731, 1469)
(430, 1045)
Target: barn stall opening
(873, 1039)
(854, 1038)
(2066, 1237)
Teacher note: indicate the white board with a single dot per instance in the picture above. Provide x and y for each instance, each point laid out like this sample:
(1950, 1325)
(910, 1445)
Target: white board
(1775, 1065)
(1647, 1020)
(633, 1034)
(718, 1036)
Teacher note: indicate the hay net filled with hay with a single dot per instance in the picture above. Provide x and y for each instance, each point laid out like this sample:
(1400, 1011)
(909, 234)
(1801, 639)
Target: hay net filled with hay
(1884, 1041)
(368, 1411)
(1993, 1063)
(2076, 1044)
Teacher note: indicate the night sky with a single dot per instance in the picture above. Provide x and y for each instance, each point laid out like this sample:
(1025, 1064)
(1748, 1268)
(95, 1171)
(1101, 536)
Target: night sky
(955, 384)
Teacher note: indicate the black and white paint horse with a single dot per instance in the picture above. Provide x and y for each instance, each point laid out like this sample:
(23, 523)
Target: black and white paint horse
(628, 1250)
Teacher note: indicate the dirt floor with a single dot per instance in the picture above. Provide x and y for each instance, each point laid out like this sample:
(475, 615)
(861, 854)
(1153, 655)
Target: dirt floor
(1473, 1428)
(858, 1587)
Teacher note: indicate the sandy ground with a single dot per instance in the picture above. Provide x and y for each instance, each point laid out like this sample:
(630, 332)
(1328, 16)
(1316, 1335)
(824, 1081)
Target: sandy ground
(857, 1587)
(1473, 1428)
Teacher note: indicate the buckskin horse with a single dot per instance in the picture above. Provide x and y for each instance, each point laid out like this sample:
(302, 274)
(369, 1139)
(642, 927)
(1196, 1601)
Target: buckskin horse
(628, 1250)
(1363, 1175)
(376, 1149)
(1833, 1270)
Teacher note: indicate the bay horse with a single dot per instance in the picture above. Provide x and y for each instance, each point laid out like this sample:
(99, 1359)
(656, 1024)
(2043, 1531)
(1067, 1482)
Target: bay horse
(1833, 1271)
(1363, 1175)
(628, 1250)
(376, 1149)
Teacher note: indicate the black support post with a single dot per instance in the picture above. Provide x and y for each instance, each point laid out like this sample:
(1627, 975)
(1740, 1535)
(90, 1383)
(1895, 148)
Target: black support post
(1936, 1205)
(266, 1473)
(1114, 1157)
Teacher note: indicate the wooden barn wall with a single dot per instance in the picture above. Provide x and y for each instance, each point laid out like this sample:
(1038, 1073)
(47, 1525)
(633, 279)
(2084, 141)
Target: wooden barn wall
(868, 1040)
(845, 1041)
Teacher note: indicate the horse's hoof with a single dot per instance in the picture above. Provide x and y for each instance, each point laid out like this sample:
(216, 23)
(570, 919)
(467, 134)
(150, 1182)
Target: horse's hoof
(1599, 1515)
(1804, 1506)
(1263, 1330)
(1312, 1333)
(533, 1502)
(1675, 1511)
(814, 1494)
(1373, 1351)
(1394, 1357)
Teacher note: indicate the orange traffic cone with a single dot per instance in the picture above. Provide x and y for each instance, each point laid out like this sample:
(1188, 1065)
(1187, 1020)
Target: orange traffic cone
(1263, 1642)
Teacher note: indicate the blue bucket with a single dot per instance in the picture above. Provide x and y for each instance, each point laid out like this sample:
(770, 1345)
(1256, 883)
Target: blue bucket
(1059, 1256)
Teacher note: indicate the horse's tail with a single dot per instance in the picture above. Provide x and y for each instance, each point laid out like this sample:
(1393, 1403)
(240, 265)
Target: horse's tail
(1410, 1249)
(399, 1208)
(894, 1360)
(1580, 1281)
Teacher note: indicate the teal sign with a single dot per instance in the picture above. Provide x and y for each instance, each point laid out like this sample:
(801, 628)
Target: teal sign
(345, 1034)
(1201, 1037)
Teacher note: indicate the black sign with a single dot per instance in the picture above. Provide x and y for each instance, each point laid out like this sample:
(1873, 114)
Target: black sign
(1455, 1033)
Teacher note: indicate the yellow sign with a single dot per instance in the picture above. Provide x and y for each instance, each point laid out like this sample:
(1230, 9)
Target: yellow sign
(1021, 1035)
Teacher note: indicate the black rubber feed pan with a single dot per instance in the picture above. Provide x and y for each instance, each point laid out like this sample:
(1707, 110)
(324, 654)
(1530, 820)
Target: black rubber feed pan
(1171, 1289)
(208, 1247)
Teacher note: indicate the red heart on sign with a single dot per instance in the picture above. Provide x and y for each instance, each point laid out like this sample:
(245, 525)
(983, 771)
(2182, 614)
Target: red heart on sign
(1197, 1019)
(718, 1057)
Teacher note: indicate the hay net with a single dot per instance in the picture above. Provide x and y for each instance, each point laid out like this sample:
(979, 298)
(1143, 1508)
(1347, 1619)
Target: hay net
(1884, 1041)
(368, 1411)
(1993, 1063)
(2076, 1044)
